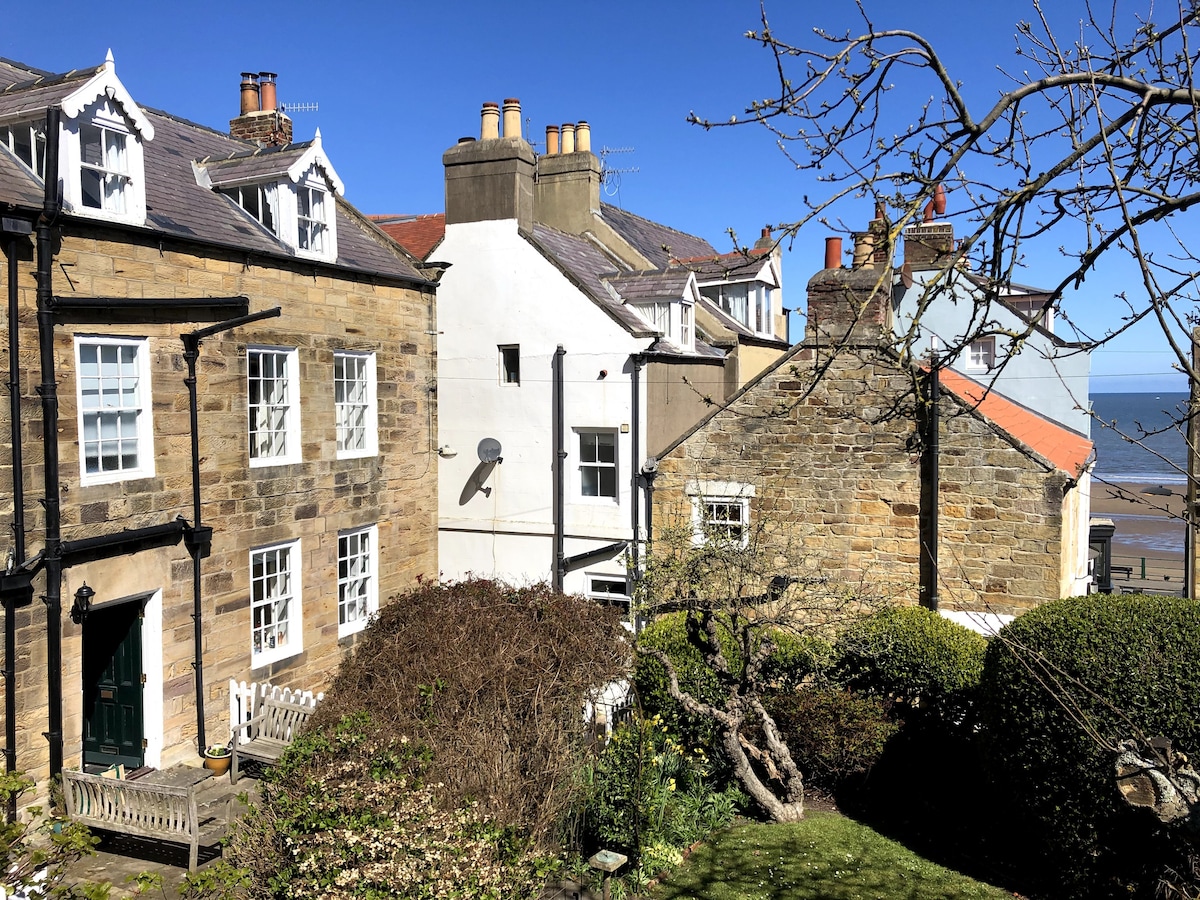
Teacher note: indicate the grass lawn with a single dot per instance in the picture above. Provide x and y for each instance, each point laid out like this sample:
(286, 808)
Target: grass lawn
(825, 857)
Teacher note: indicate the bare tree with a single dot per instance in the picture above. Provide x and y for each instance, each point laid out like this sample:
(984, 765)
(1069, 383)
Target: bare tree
(1089, 151)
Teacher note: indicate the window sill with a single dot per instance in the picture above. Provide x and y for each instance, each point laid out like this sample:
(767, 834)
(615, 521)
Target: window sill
(270, 657)
(115, 477)
(357, 454)
(259, 462)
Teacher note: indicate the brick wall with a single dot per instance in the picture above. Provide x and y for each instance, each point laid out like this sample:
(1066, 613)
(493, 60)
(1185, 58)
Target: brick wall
(311, 500)
(835, 471)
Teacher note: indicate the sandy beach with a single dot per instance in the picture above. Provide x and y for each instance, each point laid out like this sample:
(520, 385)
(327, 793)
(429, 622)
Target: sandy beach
(1148, 524)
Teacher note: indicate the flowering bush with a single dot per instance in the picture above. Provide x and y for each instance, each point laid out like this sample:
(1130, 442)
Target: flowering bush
(347, 815)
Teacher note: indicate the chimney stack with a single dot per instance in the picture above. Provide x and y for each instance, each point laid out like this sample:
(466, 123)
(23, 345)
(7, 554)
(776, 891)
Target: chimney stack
(491, 179)
(259, 120)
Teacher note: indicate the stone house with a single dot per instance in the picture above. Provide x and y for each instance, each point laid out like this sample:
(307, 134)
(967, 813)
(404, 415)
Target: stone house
(576, 340)
(232, 460)
(843, 462)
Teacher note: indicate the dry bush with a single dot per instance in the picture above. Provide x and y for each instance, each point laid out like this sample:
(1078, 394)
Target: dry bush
(493, 680)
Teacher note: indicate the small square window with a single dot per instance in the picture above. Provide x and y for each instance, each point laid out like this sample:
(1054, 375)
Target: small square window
(609, 590)
(510, 364)
(275, 622)
(358, 596)
(720, 513)
(598, 464)
(981, 355)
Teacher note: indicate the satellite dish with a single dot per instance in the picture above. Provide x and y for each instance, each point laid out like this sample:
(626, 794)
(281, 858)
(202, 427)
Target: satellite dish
(489, 450)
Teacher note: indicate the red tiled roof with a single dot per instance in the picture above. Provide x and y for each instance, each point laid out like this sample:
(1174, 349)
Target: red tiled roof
(416, 234)
(1064, 448)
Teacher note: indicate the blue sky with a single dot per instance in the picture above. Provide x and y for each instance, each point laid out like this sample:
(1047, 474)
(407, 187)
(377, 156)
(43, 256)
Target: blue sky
(397, 83)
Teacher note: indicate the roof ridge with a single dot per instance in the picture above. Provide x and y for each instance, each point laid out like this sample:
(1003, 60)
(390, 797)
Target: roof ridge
(50, 79)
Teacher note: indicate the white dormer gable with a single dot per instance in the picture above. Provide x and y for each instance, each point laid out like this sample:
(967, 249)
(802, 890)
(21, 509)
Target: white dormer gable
(749, 297)
(672, 315)
(314, 157)
(101, 161)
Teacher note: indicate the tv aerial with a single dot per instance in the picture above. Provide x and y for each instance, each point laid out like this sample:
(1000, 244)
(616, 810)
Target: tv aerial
(610, 178)
(299, 107)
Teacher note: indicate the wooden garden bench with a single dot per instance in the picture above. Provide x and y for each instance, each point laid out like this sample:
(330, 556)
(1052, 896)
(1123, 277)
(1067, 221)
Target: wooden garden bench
(272, 728)
(158, 811)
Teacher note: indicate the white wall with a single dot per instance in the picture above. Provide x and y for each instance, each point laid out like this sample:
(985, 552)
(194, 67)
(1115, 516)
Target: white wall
(1044, 377)
(499, 520)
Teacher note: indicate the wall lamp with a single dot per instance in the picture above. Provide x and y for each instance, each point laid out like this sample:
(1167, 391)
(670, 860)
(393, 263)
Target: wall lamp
(83, 604)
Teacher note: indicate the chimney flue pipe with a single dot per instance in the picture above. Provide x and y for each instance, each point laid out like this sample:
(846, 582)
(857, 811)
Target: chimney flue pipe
(249, 102)
(552, 140)
(266, 91)
(583, 137)
(512, 117)
(833, 253)
(568, 138)
(489, 125)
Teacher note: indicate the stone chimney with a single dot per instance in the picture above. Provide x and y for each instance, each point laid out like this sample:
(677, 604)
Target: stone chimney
(930, 244)
(491, 179)
(260, 121)
(567, 193)
(848, 306)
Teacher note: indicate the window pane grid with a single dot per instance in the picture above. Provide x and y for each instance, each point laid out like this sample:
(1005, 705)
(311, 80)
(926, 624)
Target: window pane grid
(352, 401)
(724, 521)
(356, 577)
(103, 168)
(310, 209)
(269, 403)
(598, 463)
(271, 596)
(110, 401)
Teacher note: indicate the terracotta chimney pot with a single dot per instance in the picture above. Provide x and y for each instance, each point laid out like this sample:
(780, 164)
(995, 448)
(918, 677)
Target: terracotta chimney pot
(249, 93)
(833, 253)
(583, 137)
(266, 86)
(568, 138)
(552, 140)
(512, 117)
(489, 126)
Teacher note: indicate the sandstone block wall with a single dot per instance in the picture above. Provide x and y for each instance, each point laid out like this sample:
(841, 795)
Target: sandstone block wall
(322, 311)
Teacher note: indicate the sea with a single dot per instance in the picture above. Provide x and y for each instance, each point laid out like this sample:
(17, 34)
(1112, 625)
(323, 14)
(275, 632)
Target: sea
(1149, 417)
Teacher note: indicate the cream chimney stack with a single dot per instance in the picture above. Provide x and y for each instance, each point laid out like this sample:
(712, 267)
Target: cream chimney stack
(512, 117)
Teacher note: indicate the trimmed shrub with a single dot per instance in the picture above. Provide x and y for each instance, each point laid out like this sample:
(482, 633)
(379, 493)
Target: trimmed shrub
(834, 736)
(911, 656)
(1061, 686)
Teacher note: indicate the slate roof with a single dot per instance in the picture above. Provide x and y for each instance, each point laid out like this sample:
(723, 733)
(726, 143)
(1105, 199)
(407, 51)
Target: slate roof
(257, 164)
(416, 234)
(176, 205)
(727, 266)
(1066, 450)
(658, 284)
(656, 242)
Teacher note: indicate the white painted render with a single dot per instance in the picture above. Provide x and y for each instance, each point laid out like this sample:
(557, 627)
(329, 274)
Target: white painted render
(497, 519)
(1043, 376)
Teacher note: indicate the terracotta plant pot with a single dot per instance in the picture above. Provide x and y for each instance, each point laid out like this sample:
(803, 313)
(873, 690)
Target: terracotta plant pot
(219, 765)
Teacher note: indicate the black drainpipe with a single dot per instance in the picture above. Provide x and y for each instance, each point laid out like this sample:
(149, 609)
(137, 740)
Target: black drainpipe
(199, 538)
(11, 229)
(560, 456)
(48, 390)
(637, 360)
(928, 419)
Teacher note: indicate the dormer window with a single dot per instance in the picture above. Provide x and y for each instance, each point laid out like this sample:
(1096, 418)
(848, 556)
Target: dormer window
(260, 201)
(672, 318)
(746, 302)
(27, 141)
(104, 168)
(311, 219)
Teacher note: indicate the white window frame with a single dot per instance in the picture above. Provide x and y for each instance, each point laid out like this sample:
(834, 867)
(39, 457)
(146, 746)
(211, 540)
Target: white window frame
(11, 133)
(598, 589)
(110, 388)
(276, 591)
(361, 407)
(312, 219)
(111, 172)
(687, 334)
(284, 407)
(358, 578)
(589, 458)
(981, 355)
(108, 117)
(259, 201)
(719, 493)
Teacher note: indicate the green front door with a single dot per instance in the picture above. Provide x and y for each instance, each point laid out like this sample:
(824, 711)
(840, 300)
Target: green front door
(112, 685)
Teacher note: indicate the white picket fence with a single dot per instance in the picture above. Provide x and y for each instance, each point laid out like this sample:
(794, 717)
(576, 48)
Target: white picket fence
(244, 698)
(609, 707)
